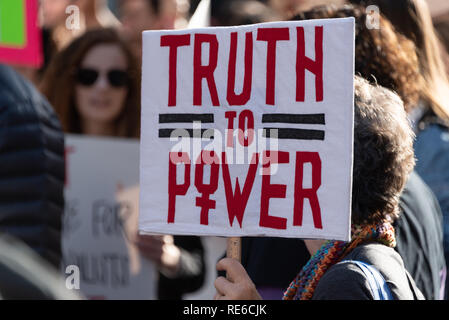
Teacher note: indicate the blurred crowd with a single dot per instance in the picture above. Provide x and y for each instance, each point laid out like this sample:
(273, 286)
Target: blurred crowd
(89, 84)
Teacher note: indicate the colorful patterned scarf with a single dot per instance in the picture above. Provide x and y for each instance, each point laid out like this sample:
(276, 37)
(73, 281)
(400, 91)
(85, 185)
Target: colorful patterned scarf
(332, 252)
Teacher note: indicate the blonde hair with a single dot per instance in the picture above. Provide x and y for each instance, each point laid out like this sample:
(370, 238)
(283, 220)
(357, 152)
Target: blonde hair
(412, 18)
(436, 87)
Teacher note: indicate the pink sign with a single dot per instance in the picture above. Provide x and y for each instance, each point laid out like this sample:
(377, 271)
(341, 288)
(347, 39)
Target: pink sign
(20, 35)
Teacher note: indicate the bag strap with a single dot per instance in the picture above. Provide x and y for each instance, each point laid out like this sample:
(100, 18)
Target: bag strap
(378, 285)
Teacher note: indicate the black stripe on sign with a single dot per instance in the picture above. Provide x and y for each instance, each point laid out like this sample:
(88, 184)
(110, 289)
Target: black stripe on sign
(317, 118)
(167, 133)
(186, 117)
(295, 134)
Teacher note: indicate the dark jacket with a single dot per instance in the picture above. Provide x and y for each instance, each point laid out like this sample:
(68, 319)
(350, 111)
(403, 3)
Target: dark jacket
(31, 167)
(432, 154)
(419, 237)
(345, 281)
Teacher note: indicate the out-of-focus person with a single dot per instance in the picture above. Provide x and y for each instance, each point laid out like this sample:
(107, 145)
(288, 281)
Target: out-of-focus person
(31, 192)
(430, 112)
(31, 167)
(96, 13)
(286, 8)
(140, 15)
(94, 85)
(53, 21)
(67, 19)
(238, 12)
(54, 12)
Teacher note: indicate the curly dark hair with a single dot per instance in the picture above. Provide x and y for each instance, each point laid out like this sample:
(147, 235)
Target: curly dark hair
(383, 153)
(382, 55)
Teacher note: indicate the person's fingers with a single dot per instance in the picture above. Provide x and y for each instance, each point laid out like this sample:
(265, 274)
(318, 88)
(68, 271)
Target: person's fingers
(223, 286)
(150, 243)
(150, 247)
(235, 272)
(237, 285)
(154, 258)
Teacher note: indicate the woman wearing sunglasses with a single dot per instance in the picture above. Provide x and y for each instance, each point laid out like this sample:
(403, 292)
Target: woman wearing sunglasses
(94, 86)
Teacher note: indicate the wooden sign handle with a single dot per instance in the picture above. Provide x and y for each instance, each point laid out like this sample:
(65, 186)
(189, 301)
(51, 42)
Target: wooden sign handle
(234, 251)
(234, 248)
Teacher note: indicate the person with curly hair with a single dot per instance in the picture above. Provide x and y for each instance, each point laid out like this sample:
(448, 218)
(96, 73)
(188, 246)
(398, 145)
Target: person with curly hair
(386, 57)
(430, 116)
(383, 160)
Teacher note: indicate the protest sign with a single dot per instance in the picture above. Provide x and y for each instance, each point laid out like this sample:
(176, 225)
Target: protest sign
(20, 37)
(101, 193)
(248, 131)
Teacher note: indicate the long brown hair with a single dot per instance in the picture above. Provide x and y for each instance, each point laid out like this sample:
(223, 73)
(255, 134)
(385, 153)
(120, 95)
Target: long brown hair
(58, 84)
(412, 18)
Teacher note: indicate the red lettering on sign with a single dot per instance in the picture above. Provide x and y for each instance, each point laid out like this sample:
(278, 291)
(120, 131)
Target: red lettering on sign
(206, 190)
(300, 193)
(207, 71)
(236, 201)
(230, 115)
(242, 98)
(272, 191)
(303, 63)
(173, 42)
(272, 36)
(246, 126)
(175, 189)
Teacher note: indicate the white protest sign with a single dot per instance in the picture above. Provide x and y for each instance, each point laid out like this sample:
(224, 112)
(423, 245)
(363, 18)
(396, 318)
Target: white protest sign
(248, 131)
(101, 193)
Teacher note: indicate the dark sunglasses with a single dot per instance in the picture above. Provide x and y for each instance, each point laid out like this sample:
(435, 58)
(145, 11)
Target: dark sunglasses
(88, 77)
